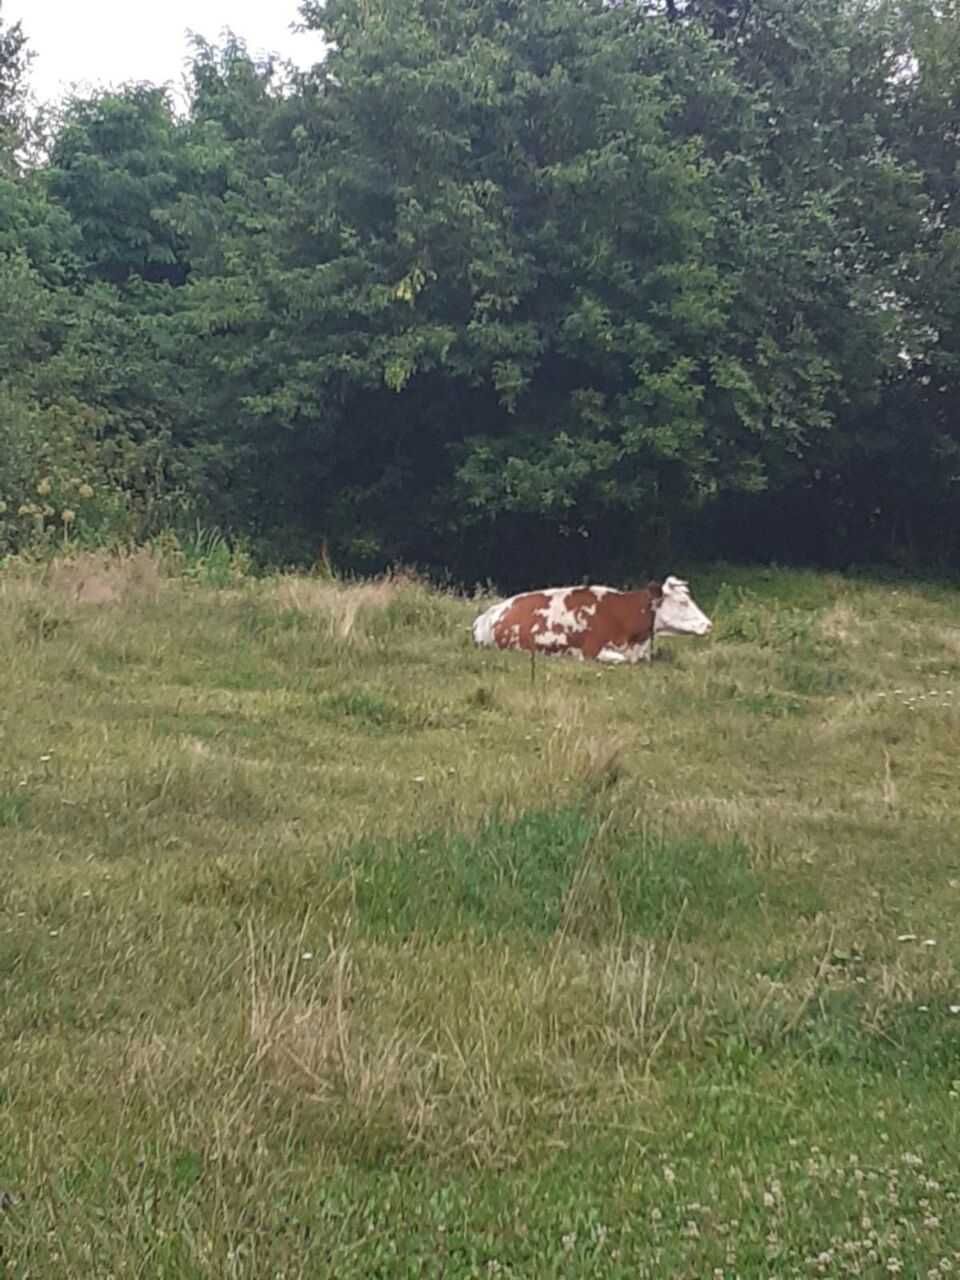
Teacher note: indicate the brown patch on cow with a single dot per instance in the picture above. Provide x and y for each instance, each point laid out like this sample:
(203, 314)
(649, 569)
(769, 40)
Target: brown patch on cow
(624, 618)
(518, 627)
(94, 579)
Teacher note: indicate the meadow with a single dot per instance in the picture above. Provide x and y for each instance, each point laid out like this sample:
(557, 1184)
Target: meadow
(333, 947)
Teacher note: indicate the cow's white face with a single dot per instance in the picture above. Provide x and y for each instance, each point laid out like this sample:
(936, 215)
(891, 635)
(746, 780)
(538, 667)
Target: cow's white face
(677, 614)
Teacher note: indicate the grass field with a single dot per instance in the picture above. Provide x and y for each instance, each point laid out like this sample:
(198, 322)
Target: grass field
(330, 946)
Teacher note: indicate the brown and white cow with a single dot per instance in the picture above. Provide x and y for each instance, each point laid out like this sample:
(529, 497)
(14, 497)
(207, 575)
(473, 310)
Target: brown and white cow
(592, 622)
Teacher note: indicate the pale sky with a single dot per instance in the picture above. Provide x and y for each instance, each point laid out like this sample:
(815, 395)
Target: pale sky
(103, 42)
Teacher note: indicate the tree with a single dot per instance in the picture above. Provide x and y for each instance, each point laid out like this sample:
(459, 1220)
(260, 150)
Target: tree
(504, 284)
(117, 169)
(565, 268)
(492, 280)
(827, 208)
(14, 61)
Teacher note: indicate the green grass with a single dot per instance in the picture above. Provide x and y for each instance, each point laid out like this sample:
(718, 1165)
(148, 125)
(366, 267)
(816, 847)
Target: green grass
(330, 946)
(545, 872)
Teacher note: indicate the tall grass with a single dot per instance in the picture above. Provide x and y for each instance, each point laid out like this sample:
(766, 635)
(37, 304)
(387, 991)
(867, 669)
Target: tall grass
(329, 946)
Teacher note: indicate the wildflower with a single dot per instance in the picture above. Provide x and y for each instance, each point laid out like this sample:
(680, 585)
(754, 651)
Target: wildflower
(68, 516)
(44, 487)
(85, 491)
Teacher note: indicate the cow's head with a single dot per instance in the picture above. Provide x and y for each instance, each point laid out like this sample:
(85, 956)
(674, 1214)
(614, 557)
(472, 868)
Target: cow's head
(676, 613)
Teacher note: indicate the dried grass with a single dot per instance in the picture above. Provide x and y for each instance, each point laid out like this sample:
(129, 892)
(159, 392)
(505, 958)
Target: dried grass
(98, 579)
(340, 603)
(841, 623)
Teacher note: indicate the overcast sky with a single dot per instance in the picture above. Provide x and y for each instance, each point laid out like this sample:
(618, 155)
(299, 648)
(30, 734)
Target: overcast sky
(108, 41)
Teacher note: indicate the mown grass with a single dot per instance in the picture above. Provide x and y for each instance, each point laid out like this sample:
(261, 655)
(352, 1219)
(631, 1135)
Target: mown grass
(330, 946)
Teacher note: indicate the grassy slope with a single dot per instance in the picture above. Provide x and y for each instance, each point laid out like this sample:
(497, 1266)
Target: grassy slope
(331, 947)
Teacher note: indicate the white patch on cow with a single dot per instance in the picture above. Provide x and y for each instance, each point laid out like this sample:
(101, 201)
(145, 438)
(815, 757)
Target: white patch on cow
(547, 639)
(617, 653)
(483, 625)
(558, 617)
(677, 614)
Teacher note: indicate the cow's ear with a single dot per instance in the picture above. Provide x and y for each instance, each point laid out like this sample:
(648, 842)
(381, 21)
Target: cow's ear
(656, 591)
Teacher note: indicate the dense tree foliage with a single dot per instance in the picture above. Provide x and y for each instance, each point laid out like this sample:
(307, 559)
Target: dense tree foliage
(502, 288)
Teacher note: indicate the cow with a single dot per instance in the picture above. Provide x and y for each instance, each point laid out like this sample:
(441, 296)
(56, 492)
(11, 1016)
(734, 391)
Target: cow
(592, 622)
